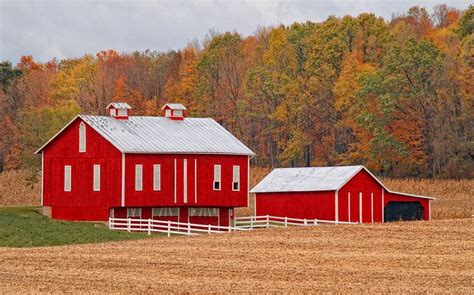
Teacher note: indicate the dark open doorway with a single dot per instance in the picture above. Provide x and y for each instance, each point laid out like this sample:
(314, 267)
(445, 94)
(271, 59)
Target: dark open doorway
(396, 211)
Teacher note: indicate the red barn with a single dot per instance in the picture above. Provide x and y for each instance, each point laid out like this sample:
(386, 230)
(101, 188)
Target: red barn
(169, 168)
(346, 193)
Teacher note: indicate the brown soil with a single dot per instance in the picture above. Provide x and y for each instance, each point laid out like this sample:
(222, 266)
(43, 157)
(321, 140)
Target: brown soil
(399, 257)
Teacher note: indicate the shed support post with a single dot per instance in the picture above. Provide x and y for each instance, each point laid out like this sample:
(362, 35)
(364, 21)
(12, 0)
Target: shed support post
(429, 210)
(372, 207)
(383, 205)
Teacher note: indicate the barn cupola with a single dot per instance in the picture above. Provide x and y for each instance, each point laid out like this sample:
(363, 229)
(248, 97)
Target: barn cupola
(118, 110)
(174, 111)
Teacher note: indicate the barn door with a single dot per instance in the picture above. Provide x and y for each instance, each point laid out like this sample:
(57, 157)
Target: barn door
(396, 211)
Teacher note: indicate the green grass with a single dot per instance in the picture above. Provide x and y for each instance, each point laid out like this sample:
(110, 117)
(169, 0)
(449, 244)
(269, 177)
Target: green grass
(25, 227)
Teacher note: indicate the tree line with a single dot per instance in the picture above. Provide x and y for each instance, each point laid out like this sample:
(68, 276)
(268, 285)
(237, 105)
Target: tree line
(396, 96)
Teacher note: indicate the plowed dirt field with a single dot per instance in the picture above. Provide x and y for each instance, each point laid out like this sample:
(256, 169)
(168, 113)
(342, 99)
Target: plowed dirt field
(398, 257)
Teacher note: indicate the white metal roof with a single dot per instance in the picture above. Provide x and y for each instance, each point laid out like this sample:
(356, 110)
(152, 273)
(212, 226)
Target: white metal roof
(119, 105)
(161, 135)
(174, 106)
(306, 179)
(314, 179)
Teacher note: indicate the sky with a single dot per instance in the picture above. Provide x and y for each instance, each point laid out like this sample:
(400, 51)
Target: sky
(72, 28)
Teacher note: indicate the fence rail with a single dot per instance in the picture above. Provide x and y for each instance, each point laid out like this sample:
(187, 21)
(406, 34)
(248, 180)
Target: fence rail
(240, 224)
(251, 222)
(169, 227)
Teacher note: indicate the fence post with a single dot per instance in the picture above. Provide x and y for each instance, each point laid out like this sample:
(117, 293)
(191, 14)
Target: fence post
(149, 226)
(111, 225)
(169, 228)
(315, 222)
(286, 221)
(305, 222)
(251, 222)
(128, 224)
(209, 229)
(189, 228)
(268, 221)
(230, 229)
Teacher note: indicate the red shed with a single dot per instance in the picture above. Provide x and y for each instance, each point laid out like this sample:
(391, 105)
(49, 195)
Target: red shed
(345, 193)
(168, 168)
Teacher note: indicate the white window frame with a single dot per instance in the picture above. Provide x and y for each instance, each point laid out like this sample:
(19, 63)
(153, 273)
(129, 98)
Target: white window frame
(139, 177)
(177, 113)
(113, 112)
(203, 212)
(135, 212)
(121, 113)
(217, 177)
(82, 138)
(67, 178)
(96, 178)
(165, 212)
(156, 177)
(236, 177)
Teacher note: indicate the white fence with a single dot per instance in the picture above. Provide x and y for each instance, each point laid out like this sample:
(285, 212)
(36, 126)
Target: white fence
(267, 221)
(240, 224)
(169, 227)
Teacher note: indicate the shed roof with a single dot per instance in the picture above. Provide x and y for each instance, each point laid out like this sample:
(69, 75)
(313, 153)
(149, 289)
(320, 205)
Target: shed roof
(311, 179)
(174, 106)
(306, 179)
(119, 105)
(160, 135)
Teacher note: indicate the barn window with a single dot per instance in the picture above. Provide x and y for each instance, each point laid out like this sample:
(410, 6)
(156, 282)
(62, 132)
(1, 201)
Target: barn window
(177, 113)
(156, 177)
(134, 212)
(236, 178)
(67, 178)
(82, 137)
(122, 112)
(204, 212)
(139, 177)
(165, 212)
(217, 177)
(96, 185)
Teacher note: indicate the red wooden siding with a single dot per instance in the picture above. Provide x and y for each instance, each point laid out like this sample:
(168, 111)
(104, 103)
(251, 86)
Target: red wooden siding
(206, 195)
(310, 205)
(363, 183)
